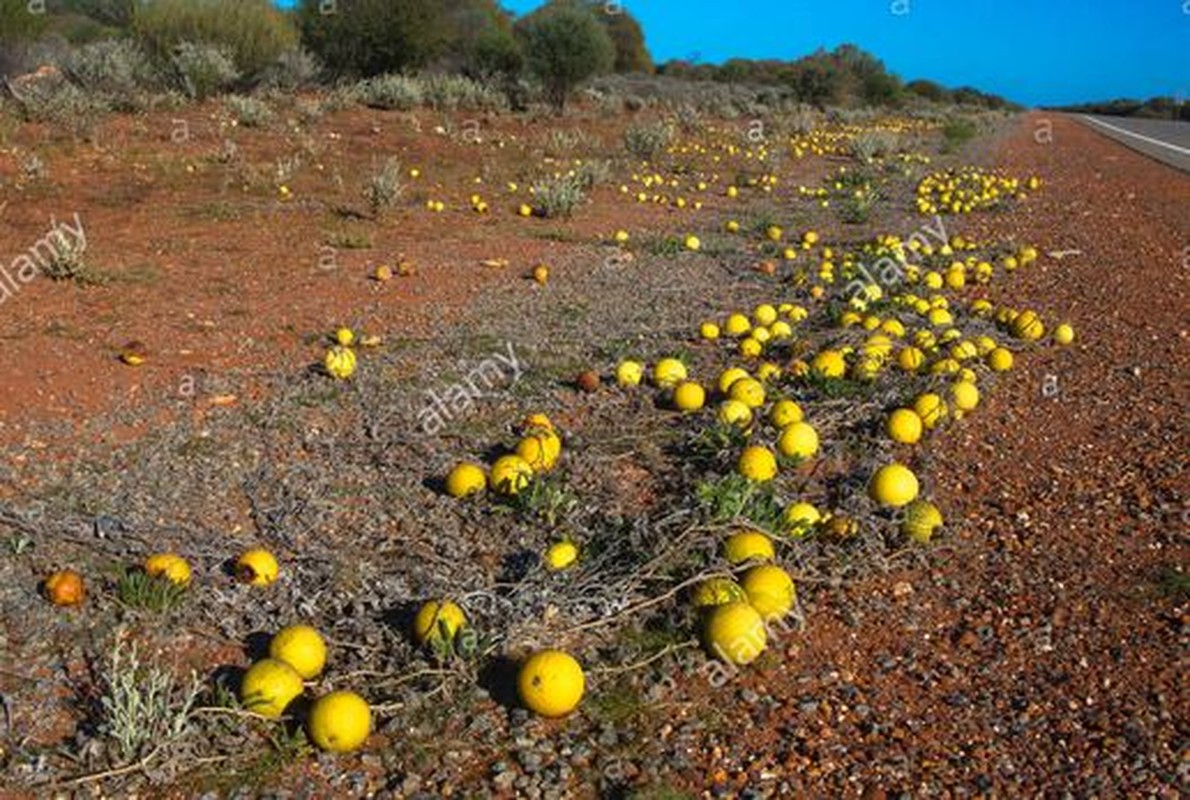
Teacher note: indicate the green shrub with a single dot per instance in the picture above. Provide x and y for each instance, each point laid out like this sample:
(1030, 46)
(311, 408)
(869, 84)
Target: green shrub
(60, 103)
(449, 92)
(18, 23)
(388, 92)
(592, 173)
(202, 70)
(646, 142)
(115, 67)
(384, 188)
(958, 131)
(253, 33)
(373, 37)
(249, 111)
(293, 69)
(564, 45)
(558, 197)
(873, 144)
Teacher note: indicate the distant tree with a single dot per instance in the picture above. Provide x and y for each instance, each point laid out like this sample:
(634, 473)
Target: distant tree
(564, 45)
(479, 38)
(816, 79)
(495, 53)
(111, 13)
(736, 70)
(370, 37)
(935, 93)
(627, 35)
(18, 23)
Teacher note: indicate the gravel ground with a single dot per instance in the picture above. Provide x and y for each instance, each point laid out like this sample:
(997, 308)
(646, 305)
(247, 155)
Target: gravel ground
(1036, 650)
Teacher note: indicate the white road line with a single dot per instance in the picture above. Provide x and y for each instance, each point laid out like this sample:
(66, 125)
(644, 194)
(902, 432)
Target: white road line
(1149, 139)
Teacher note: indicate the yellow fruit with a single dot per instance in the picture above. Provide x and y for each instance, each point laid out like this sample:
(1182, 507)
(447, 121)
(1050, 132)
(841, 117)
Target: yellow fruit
(64, 588)
(466, 479)
(525, 210)
(940, 317)
(540, 450)
(629, 373)
(1064, 334)
(748, 545)
(345, 336)
(1000, 359)
(621, 237)
(748, 391)
(551, 683)
(438, 622)
(930, 408)
(910, 359)
(535, 423)
(798, 440)
(692, 243)
(764, 314)
(340, 362)
(541, 274)
(904, 426)
(757, 464)
(560, 555)
(257, 567)
(750, 347)
(780, 330)
(716, 592)
(784, 413)
(767, 371)
(709, 331)
(829, 364)
(729, 376)
(269, 686)
(689, 396)
(735, 633)
(170, 566)
(801, 517)
(770, 590)
(922, 518)
(1027, 325)
(737, 325)
(733, 412)
(510, 474)
(893, 485)
(339, 722)
(301, 647)
(732, 226)
(964, 395)
(945, 366)
(669, 372)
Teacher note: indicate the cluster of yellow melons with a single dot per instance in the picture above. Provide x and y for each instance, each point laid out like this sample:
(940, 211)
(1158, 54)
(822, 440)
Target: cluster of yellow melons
(736, 614)
(535, 453)
(767, 324)
(962, 191)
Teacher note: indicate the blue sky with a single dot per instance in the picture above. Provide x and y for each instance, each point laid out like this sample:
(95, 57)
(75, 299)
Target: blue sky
(1032, 51)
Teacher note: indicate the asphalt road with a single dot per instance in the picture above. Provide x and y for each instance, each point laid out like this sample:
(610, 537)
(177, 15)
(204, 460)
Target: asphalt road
(1164, 140)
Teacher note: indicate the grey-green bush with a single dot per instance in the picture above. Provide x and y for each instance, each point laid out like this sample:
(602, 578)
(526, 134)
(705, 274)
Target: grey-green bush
(202, 70)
